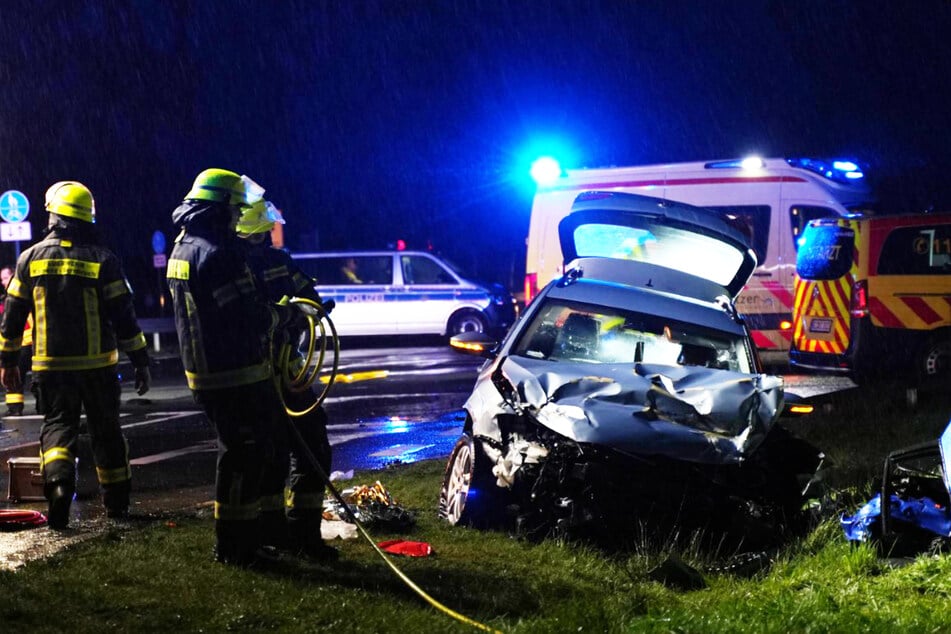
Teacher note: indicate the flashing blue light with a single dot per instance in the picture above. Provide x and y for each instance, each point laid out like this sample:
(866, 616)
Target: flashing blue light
(845, 166)
(545, 171)
(752, 163)
(841, 170)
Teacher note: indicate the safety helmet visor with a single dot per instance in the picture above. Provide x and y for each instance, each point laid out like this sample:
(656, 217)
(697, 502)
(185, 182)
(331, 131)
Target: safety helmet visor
(260, 217)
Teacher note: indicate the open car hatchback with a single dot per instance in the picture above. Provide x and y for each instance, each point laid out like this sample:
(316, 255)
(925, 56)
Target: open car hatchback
(629, 394)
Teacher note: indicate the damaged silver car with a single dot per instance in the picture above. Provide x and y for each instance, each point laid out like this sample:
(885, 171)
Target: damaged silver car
(629, 395)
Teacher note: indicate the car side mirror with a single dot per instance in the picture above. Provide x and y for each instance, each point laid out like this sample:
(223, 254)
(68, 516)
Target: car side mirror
(474, 343)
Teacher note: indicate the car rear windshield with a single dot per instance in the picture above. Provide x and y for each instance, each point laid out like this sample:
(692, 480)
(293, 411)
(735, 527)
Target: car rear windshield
(825, 252)
(568, 331)
(668, 246)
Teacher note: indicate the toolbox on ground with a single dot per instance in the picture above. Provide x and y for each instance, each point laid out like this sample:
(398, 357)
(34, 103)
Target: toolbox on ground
(26, 479)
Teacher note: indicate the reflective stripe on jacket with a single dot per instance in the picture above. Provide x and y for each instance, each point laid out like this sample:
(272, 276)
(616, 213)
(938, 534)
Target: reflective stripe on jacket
(81, 305)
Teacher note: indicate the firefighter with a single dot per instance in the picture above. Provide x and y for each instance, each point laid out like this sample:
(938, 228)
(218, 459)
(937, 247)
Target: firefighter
(85, 316)
(14, 400)
(222, 320)
(279, 277)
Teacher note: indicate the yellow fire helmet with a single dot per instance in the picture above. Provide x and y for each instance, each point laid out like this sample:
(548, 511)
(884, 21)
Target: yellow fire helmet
(72, 199)
(259, 218)
(224, 186)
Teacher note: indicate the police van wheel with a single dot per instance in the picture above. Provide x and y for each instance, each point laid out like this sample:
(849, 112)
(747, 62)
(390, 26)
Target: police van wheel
(466, 321)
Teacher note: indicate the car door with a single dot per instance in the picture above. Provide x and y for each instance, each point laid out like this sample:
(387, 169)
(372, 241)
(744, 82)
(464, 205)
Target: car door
(428, 294)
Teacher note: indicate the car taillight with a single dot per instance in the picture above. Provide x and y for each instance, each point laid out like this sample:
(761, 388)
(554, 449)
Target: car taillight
(859, 304)
(531, 287)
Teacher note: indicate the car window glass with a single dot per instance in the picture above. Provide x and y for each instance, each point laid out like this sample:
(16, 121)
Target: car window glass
(923, 250)
(799, 217)
(825, 253)
(418, 269)
(752, 221)
(563, 331)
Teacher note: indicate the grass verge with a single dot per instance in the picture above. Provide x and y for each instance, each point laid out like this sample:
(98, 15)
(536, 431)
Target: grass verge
(162, 578)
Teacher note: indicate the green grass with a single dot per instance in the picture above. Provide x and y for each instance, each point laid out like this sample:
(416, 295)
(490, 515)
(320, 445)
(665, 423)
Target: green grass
(162, 578)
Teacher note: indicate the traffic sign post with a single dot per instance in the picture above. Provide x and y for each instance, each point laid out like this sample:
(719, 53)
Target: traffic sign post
(14, 209)
(159, 262)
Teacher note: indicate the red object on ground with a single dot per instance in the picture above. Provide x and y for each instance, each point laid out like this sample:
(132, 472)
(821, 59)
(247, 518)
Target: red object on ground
(403, 547)
(13, 520)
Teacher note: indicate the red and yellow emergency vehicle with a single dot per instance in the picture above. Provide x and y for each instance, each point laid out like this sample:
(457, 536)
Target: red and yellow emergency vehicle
(873, 296)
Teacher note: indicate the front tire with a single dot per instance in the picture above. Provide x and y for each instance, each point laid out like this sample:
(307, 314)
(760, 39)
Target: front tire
(468, 493)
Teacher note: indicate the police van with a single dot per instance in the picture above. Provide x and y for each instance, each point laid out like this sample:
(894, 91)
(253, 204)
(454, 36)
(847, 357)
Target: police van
(873, 297)
(770, 200)
(405, 293)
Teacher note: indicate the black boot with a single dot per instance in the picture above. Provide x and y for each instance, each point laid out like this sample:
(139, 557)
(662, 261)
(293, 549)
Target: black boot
(307, 542)
(115, 498)
(60, 496)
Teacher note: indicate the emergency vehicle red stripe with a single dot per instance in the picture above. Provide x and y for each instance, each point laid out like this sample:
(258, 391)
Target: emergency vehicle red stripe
(882, 315)
(761, 340)
(922, 309)
(781, 293)
(662, 182)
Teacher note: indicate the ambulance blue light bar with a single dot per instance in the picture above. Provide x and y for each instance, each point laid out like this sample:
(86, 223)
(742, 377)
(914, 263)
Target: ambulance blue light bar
(840, 170)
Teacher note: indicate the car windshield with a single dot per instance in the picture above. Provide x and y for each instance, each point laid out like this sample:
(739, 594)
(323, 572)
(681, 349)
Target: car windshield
(567, 331)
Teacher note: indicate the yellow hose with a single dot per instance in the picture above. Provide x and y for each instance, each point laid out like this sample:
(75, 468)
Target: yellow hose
(299, 380)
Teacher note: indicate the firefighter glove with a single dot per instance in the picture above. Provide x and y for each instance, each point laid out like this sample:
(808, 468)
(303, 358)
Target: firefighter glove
(143, 380)
(11, 379)
(328, 306)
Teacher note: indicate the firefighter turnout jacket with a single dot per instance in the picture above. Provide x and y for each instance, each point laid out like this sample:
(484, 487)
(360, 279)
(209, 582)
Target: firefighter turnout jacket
(52, 278)
(220, 314)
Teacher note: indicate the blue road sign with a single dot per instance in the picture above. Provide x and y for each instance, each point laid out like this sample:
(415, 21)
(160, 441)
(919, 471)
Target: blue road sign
(158, 242)
(14, 207)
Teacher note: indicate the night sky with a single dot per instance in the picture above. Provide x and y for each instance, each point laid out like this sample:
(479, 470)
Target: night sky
(369, 122)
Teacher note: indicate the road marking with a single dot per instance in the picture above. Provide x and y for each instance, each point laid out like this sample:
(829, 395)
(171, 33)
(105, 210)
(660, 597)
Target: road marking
(206, 446)
(399, 450)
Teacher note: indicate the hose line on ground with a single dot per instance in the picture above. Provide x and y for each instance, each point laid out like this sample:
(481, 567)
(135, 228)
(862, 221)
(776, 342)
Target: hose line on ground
(297, 373)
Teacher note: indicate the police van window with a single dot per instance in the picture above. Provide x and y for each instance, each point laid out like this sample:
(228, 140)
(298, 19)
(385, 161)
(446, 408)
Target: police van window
(752, 221)
(825, 253)
(922, 250)
(800, 215)
(419, 269)
(348, 270)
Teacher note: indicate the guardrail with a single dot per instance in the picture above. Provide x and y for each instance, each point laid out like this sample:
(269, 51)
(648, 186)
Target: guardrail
(156, 326)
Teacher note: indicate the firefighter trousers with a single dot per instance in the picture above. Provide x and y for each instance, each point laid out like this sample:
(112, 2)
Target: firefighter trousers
(252, 456)
(61, 397)
(307, 483)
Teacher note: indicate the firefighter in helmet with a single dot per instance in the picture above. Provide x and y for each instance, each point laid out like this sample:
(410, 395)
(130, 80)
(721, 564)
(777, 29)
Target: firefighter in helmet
(14, 400)
(85, 316)
(223, 320)
(280, 277)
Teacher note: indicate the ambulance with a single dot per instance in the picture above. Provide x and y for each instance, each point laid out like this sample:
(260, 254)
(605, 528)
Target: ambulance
(873, 297)
(770, 200)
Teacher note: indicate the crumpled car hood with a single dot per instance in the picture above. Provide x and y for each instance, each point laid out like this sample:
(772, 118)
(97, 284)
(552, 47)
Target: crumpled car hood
(687, 413)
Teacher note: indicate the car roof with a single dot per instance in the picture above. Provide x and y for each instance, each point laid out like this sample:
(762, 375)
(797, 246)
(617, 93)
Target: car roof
(676, 236)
